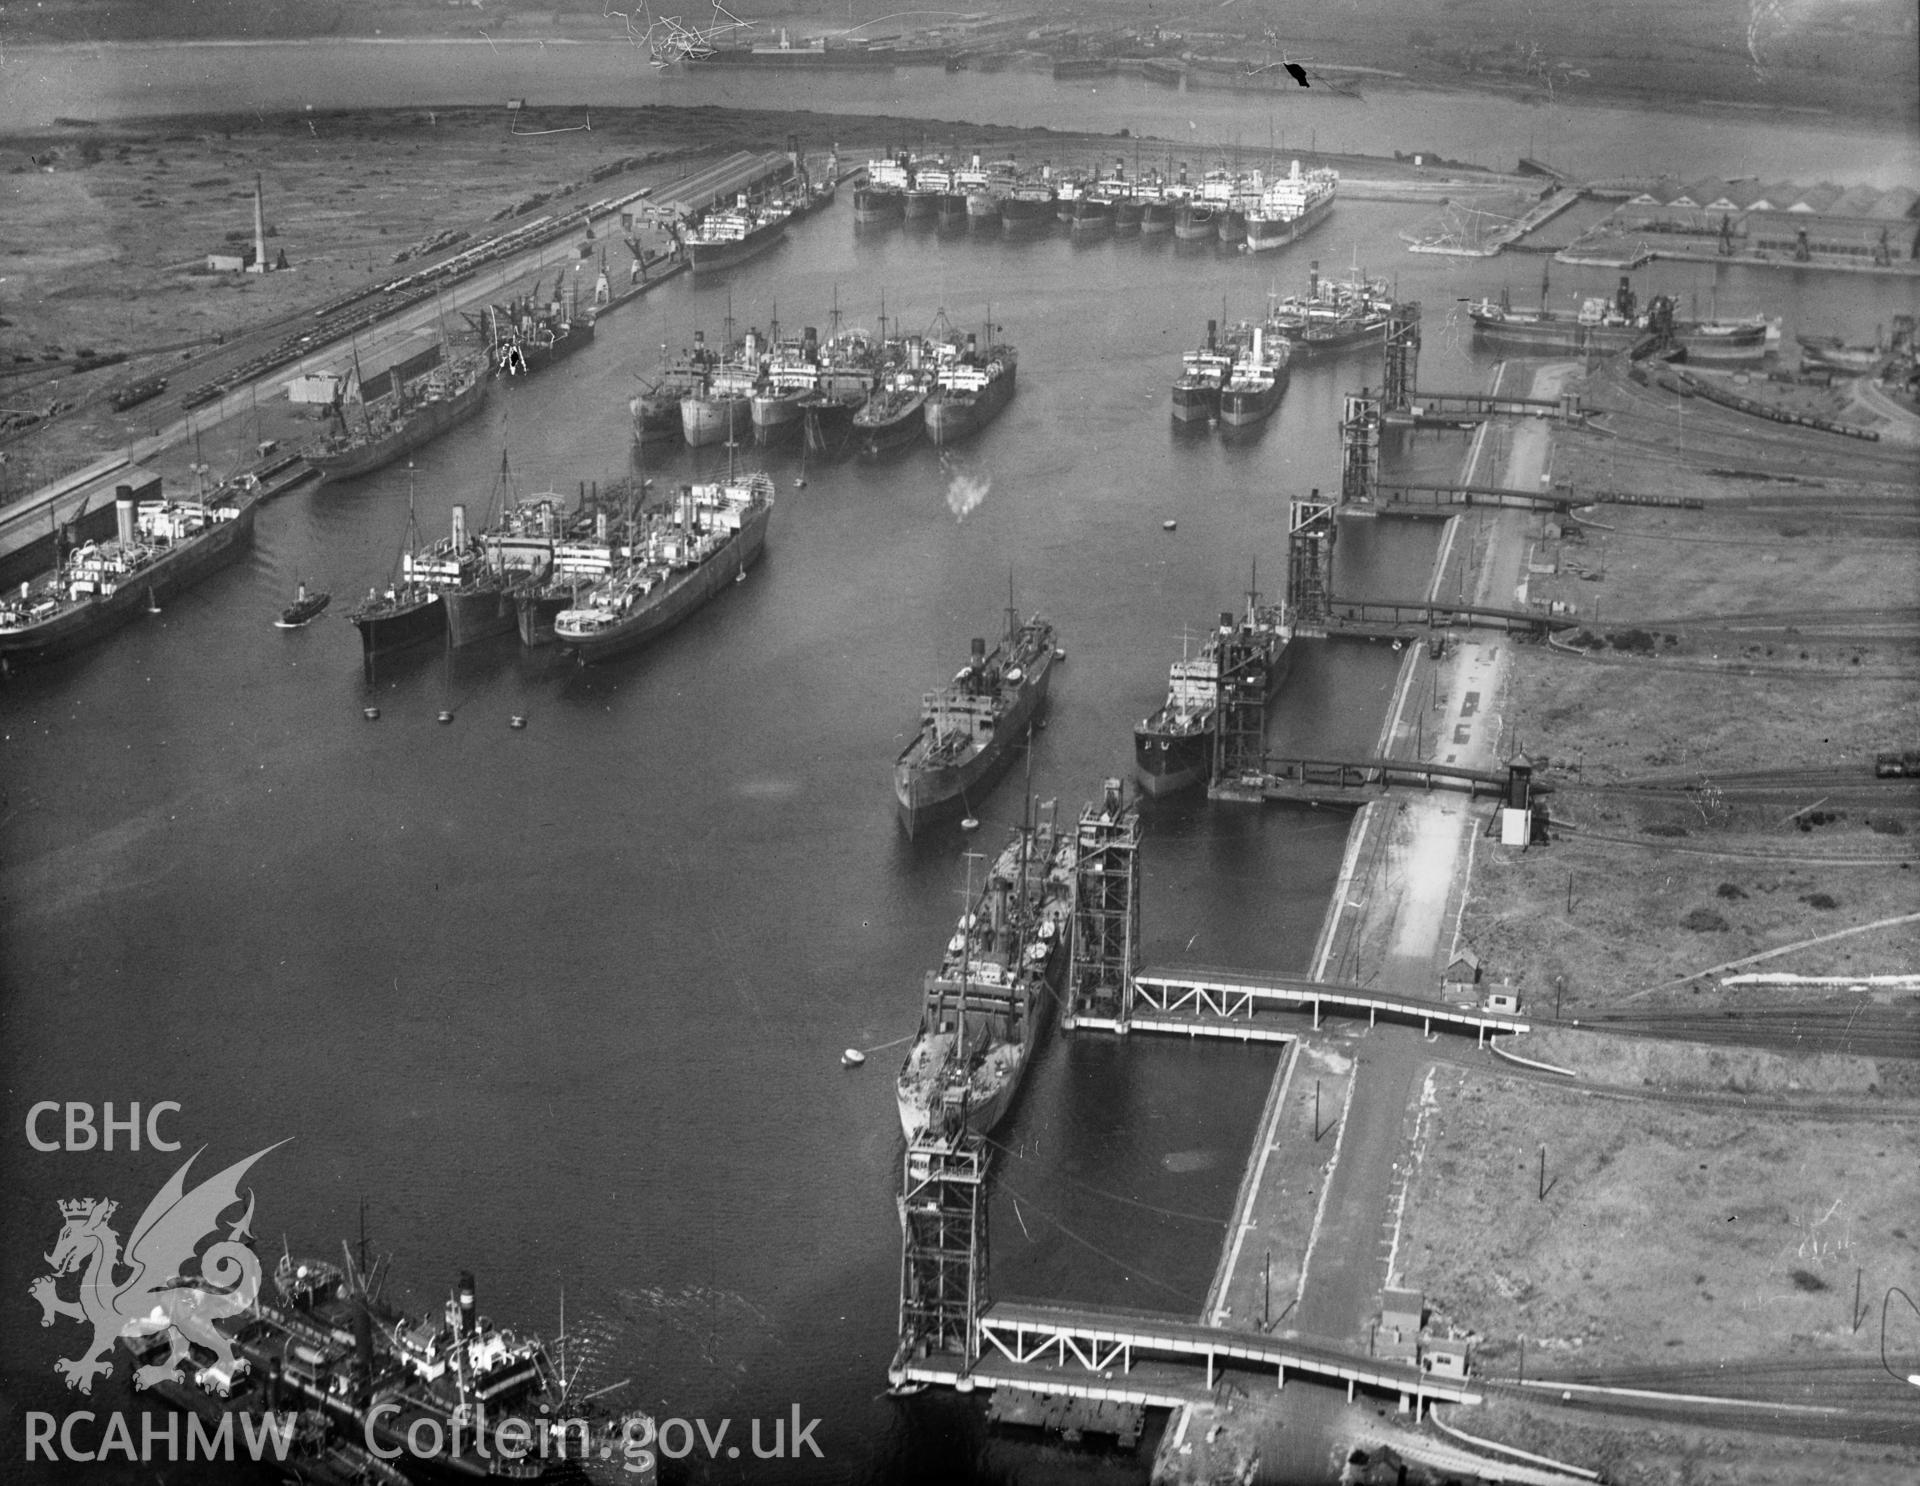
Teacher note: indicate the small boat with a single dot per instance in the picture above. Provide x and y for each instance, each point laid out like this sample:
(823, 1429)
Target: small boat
(304, 609)
(852, 1058)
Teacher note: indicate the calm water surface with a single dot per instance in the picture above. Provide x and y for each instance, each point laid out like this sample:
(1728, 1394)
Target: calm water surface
(565, 1005)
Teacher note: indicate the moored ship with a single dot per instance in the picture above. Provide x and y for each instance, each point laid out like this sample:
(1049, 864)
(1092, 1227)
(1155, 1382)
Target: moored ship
(1196, 391)
(1290, 208)
(723, 412)
(1027, 206)
(984, 1009)
(882, 196)
(793, 374)
(401, 415)
(1602, 327)
(1249, 658)
(970, 729)
(410, 611)
(848, 365)
(656, 410)
(159, 548)
(744, 231)
(1332, 316)
(676, 561)
(970, 388)
(893, 415)
(1254, 387)
(529, 334)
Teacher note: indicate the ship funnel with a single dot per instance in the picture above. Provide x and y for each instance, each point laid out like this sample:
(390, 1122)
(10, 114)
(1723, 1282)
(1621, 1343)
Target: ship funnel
(793, 146)
(459, 528)
(123, 509)
(1183, 172)
(1294, 173)
(979, 654)
(1213, 331)
(973, 342)
(600, 526)
(1226, 619)
(810, 341)
(1110, 804)
(1259, 344)
(699, 339)
(1313, 278)
(469, 1316)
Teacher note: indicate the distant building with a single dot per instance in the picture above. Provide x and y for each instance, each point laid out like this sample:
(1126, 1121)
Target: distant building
(1859, 223)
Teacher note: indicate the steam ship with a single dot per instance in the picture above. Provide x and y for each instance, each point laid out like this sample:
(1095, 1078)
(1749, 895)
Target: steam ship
(1196, 391)
(529, 335)
(970, 729)
(410, 612)
(401, 415)
(676, 560)
(656, 411)
(745, 231)
(159, 549)
(1254, 387)
(1332, 316)
(970, 389)
(984, 1009)
(1603, 327)
(1248, 659)
(1291, 208)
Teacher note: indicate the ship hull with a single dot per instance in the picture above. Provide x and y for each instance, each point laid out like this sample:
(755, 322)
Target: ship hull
(1169, 759)
(1090, 216)
(827, 423)
(1561, 334)
(534, 611)
(715, 418)
(401, 629)
(1331, 342)
(896, 432)
(427, 423)
(705, 257)
(983, 211)
(681, 596)
(872, 206)
(523, 359)
(1232, 226)
(1267, 233)
(1128, 214)
(920, 206)
(77, 627)
(1196, 405)
(1195, 223)
(1250, 409)
(952, 418)
(476, 614)
(1156, 217)
(984, 1114)
(927, 795)
(776, 417)
(1026, 214)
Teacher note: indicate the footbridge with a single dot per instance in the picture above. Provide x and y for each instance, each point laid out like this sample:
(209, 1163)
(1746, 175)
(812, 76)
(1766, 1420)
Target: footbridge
(1333, 781)
(1438, 499)
(1122, 1356)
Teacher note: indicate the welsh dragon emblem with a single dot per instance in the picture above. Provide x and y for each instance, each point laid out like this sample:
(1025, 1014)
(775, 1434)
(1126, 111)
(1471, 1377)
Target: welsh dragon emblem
(156, 1296)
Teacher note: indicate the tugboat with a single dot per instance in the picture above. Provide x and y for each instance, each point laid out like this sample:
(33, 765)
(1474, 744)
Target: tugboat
(969, 729)
(304, 609)
(676, 561)
(409, 612)
(986, 1006)
(1174, 748)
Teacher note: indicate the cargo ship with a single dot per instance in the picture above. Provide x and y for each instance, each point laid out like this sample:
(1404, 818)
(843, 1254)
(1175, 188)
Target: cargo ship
(158, 549)
(528, 335)
(678, 559)
(1174, 748)
(1290, 208)
(410, 612)
(848, 365)
(1332, 316)
(726, 238)
(1254, 387)
(970, 389)
(356, 1388)
(1028, 206)
(723, 412)
(882, 196)
(928, 181)
(970, 729)
(656, 411)
(985, 1008)
(1603, 327)
(793, 375)
(584, 553)
(401, 416)
(1196, 391)
(894, 413)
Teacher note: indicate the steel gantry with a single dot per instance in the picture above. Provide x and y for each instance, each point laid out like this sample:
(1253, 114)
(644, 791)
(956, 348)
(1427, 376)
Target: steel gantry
(1403, 356)
(1106, 914)
(943, 1249)
(1359, 449)
(1311, 531)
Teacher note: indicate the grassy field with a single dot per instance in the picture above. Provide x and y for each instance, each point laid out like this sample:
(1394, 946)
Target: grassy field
(1666, 1234)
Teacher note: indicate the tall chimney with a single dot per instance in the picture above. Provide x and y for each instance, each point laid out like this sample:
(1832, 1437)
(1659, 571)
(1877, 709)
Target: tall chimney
(123, 510)
(259, 229)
